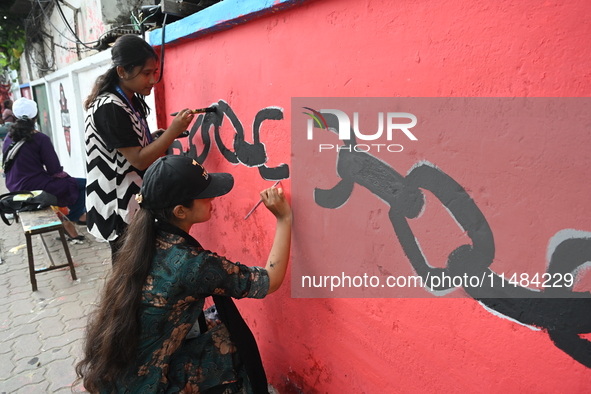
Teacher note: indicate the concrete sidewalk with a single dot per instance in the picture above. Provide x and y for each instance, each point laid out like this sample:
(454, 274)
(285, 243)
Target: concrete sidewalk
(41, 332)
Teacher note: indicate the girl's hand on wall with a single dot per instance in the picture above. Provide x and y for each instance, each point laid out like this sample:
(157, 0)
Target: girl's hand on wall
(181, 121)
(274, 200)
(142, 157)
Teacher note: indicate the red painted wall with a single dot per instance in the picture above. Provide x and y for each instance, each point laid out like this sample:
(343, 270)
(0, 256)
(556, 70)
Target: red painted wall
(419, 48)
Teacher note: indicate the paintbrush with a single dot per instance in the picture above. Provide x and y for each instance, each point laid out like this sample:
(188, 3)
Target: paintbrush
(259, 203)
(197, 111)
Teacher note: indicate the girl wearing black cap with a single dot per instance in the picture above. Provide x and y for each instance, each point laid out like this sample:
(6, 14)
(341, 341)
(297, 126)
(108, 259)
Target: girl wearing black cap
(119, 145)
(148, 334)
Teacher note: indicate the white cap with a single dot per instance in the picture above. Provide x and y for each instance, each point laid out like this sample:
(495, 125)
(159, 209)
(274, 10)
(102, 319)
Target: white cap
(24, 108)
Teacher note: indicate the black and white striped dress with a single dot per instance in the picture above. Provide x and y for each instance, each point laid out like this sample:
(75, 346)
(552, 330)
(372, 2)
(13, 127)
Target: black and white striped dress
(112, 181)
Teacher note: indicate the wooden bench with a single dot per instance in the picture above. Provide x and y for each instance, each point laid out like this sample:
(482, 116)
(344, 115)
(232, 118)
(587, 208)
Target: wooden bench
(41, 222)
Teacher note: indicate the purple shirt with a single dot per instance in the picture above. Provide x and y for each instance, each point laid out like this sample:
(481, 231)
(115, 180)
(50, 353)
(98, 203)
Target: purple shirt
(35, 167)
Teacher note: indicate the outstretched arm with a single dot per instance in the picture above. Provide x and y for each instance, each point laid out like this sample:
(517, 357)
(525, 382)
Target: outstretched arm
(274, 200)
(142, 157)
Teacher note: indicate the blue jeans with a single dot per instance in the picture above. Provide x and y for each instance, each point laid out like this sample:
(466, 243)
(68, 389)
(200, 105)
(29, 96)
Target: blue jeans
(79, 207)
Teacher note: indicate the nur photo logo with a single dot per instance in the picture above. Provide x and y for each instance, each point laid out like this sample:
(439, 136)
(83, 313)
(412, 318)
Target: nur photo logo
(392, 124)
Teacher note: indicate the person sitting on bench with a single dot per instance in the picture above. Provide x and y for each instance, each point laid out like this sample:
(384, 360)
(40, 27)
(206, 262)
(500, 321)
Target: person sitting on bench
(31, 163)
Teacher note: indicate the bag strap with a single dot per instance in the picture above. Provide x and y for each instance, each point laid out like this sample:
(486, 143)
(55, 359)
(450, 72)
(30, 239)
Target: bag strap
(5, 219)
(10, 154)
(15, 193)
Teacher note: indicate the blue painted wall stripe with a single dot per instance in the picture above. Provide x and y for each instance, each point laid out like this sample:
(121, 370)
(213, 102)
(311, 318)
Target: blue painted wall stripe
(220, 16)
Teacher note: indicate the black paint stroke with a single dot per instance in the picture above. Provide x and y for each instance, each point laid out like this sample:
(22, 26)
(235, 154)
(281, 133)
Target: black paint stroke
(563, 318)
(250, 155)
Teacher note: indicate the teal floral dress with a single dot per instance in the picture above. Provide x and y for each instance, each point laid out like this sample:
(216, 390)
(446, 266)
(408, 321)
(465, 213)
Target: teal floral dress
(181, 277)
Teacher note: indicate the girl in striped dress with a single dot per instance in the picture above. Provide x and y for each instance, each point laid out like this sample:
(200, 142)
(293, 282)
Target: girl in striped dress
(119, 145)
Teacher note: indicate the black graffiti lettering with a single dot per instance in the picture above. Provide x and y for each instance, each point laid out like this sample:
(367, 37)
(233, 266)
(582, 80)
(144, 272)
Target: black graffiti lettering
(204, 122)
(250, 155)
(268, 173)
(469, 259)
(225, 110)
(364, 169)
(563, 318)
(175, 148)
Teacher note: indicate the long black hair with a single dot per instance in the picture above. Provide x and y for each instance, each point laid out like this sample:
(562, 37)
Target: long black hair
(22, 129)
(110, 347)
(128, 52)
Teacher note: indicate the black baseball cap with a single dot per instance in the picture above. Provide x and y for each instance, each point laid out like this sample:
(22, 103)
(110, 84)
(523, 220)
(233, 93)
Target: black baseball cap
(174, 179)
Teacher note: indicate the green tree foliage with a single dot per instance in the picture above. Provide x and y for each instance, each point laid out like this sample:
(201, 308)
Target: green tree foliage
(12, 37)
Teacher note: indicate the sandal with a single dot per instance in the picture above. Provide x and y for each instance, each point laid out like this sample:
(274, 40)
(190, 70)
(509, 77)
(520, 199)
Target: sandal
(70, 238)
